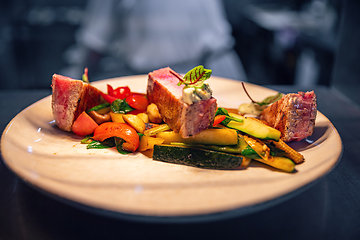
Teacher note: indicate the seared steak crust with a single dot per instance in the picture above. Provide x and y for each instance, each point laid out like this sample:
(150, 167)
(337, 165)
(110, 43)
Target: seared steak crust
(293, 115)
(70, 98)
(188, 120)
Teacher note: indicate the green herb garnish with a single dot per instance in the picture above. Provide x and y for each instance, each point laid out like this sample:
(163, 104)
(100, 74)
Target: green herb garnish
(107, 143)
(195, 77)
(223, 111)
(120, 106)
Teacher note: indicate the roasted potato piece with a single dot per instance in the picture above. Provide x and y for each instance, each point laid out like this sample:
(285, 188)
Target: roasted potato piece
(135, 122)
(117, 117)
(153, 113)
(144, 117)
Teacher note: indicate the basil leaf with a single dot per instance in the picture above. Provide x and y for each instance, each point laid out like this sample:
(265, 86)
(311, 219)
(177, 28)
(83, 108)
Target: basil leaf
(120, 106)
(108, 143)
(223, 111)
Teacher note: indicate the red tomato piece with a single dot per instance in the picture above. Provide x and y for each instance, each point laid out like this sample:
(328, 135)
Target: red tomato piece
(110, 90)
(84, 125)
(120, 92)
(121, 130)
(107, 97)
(137, 101)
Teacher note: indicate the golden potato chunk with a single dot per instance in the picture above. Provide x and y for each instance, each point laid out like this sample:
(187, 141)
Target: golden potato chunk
(153, 113)
(134, 121)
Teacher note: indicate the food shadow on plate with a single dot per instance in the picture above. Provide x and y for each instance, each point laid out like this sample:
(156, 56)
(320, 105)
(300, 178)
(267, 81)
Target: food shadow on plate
(54, 130)
(319, 136)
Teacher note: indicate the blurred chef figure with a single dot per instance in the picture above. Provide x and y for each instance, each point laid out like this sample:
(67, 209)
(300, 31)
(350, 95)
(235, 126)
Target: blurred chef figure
(124, 37)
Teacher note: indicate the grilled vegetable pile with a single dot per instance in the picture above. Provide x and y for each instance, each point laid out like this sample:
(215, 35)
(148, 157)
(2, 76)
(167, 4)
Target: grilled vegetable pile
(254, 141)
(129, 123)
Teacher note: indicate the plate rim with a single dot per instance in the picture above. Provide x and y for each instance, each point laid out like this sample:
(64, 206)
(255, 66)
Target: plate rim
(201, 217)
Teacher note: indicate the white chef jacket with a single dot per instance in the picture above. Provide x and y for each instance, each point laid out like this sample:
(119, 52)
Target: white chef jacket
(149, 34)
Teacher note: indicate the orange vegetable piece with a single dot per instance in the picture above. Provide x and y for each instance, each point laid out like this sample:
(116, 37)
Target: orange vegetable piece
(218, 119)
(84, 125)
(121, 130)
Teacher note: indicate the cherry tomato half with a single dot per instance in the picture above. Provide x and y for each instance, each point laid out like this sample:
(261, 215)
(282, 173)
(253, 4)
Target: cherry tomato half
(120, 92)
(121, 130)
(137, 101)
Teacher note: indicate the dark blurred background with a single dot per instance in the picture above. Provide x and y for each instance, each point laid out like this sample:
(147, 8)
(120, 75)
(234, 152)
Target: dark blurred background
(33, 38)
(278, 42)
